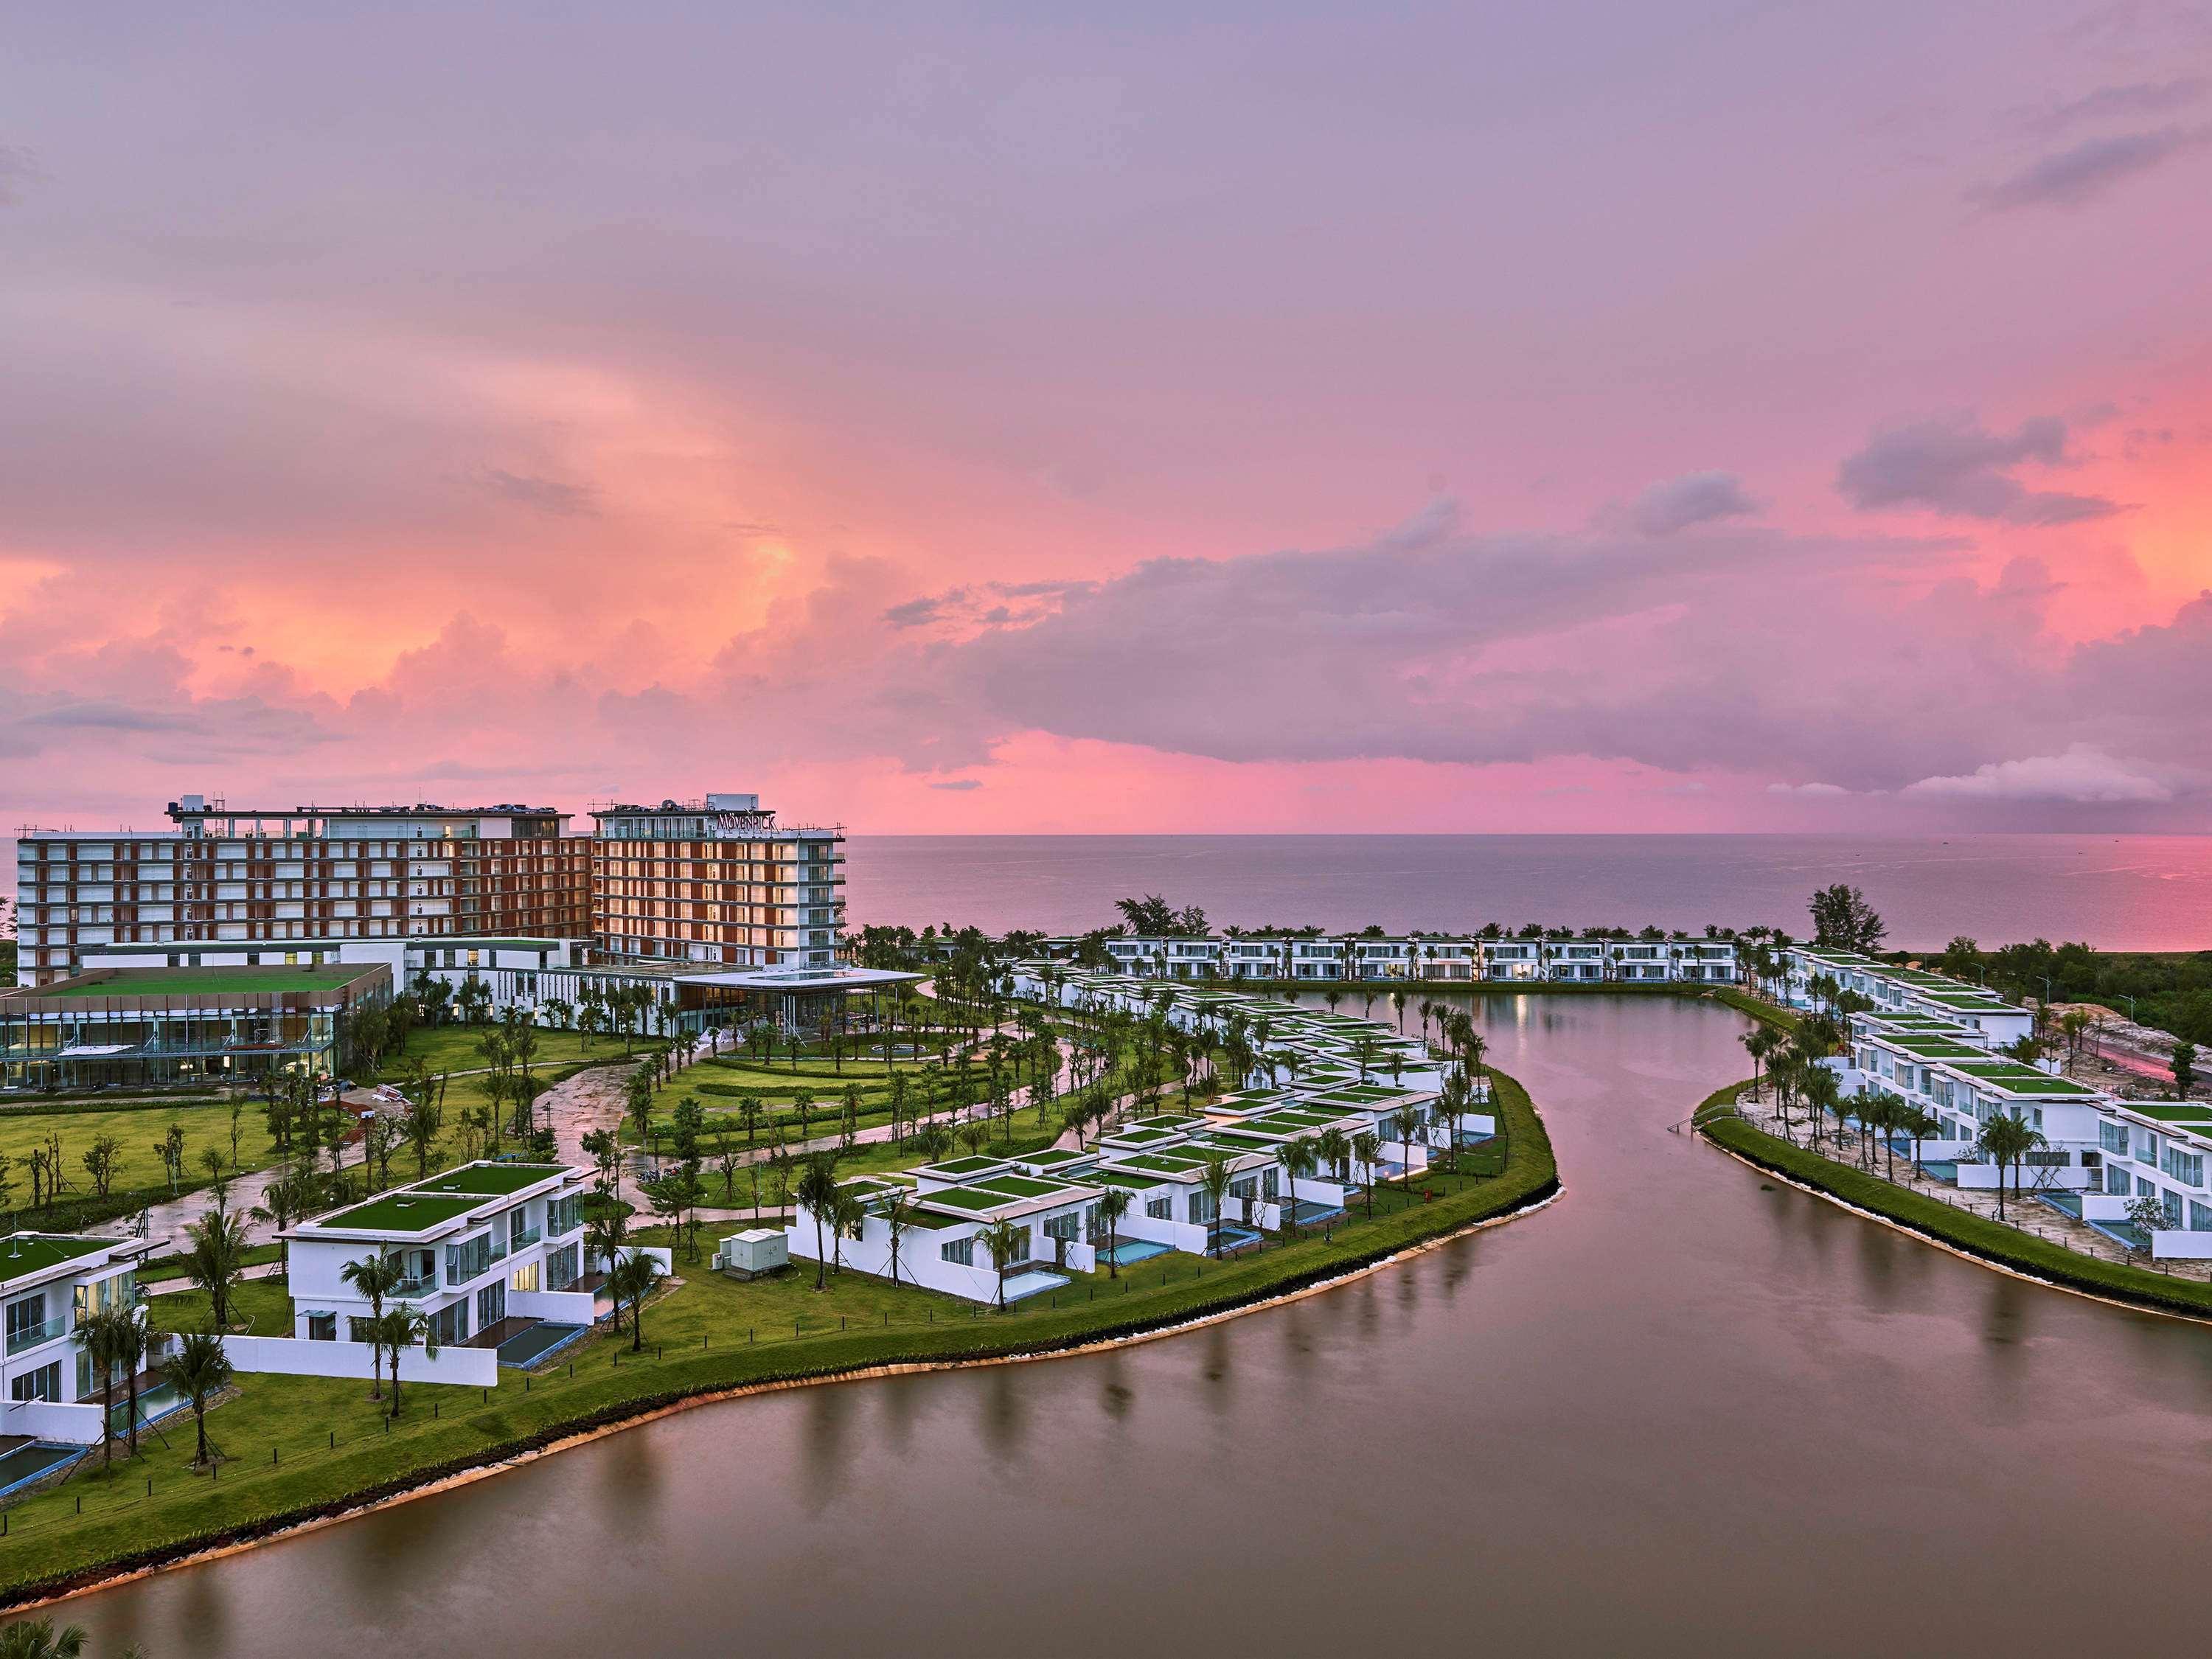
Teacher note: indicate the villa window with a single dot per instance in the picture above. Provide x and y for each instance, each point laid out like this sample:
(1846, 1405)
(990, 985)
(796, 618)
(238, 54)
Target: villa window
(1160, 1209)
(2112, 1137)
(2186, 1167)
(359, 1327)
(1201, 1209)
(2115, 1180)
(962, 1250)
(2200, 1217)
(2171, 1203)
(322, 1327)
(44, 1383)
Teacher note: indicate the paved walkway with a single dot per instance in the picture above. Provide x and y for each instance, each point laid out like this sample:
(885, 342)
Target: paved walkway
(2025, 1211)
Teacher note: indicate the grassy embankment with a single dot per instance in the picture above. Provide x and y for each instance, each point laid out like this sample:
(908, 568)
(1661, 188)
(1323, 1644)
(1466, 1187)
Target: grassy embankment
(301, 1447)
(1965, 1230)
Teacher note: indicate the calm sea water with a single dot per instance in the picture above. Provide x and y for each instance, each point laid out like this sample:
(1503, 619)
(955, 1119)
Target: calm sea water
(2125, 892)
(1684, 1411)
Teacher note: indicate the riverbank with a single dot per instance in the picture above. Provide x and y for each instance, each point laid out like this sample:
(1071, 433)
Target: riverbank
(1964, 1232)
(52, 1551)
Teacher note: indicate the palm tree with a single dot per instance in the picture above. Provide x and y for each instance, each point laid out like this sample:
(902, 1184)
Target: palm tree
(1213, 1182)
(1005, 1242)
(216, 1257)
(1367, 1146)
(1295, 1158)
(37, 1639)
(400, 1329)
(818, 1192)
(1112, 1205)
(1759, 1042)
(2007, 1139)
(1820, 1087)
(1330, 1149)
(130, 1353)
(198, 1369)
(99, 1334)
(899, 1215)
(1920, 1123)
(632, 1281)
(422, 1124)
(1407, 1123)
(374, 1278)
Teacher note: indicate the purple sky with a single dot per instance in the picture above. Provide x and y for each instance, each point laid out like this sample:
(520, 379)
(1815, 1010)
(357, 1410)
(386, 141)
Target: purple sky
(1576, 418)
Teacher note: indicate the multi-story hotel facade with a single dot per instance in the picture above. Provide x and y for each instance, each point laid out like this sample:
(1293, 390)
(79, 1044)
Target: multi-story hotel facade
(716, 882)
(710, 883)
(227, 874)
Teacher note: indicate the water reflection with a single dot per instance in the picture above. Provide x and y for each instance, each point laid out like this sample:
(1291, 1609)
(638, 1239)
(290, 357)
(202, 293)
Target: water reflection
(1556, 1434)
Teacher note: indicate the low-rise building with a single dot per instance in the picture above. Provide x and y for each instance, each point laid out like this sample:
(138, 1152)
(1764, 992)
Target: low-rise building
(50, 1390)
(486, 1250)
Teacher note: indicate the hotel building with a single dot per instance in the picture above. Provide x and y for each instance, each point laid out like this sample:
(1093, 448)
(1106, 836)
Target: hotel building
(711, 883)
(227, 874)
(715, 882)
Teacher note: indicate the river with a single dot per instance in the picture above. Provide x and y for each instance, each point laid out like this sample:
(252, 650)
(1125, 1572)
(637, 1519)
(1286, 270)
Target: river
(1683, 1410)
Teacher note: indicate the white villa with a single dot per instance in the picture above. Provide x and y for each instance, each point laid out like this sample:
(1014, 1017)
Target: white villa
(493, 1254)
(47, 1282)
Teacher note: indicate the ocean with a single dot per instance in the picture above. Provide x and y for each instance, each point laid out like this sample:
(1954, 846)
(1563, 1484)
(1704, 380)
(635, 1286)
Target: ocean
(2116, 893)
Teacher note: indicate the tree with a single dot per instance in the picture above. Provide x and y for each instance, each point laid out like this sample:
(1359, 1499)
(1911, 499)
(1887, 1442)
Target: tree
(37, 1639)
(2147, 1216)
(100, 1161)
(632, 1281)
(1213, 1182)
(1406, 1120)
(214, 1256)
(374, 1278)
(421, 1126)
(1758, 1043)
(400, 1329)
(1367, 1148)
(1005, 1242)
(2006, 1139)
(198, 1369)
(99, 1333)
(1114, 1204)
(1294, 1158)
(2185, 1068)
(898, 1216)
(1844, 920)
(1919, 1124)
(817, 1192)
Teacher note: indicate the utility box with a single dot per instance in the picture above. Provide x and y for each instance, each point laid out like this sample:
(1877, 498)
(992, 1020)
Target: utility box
(751, 1254)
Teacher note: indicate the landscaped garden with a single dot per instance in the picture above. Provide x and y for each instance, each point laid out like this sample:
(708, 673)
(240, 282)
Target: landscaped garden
(299, 1446)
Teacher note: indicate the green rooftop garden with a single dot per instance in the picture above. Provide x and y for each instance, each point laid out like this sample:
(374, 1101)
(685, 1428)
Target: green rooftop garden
(486, 1180)
(36, 1252)
(399, 1213)
(128, 983)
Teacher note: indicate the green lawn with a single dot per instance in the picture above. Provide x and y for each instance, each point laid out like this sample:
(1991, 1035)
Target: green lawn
(266, 1302)
(138, 1161)
(300, 1443)
(456, 1048)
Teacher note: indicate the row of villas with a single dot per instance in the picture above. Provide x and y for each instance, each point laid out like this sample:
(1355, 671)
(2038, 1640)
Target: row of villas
(1357, 958)
(1315, 1077)
(1939, 1044)
(492, 1253)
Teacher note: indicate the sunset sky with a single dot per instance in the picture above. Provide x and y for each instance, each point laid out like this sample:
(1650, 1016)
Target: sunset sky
(1586, 416)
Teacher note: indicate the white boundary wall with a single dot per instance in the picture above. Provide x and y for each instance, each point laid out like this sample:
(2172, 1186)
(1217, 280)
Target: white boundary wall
(289, 1356)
